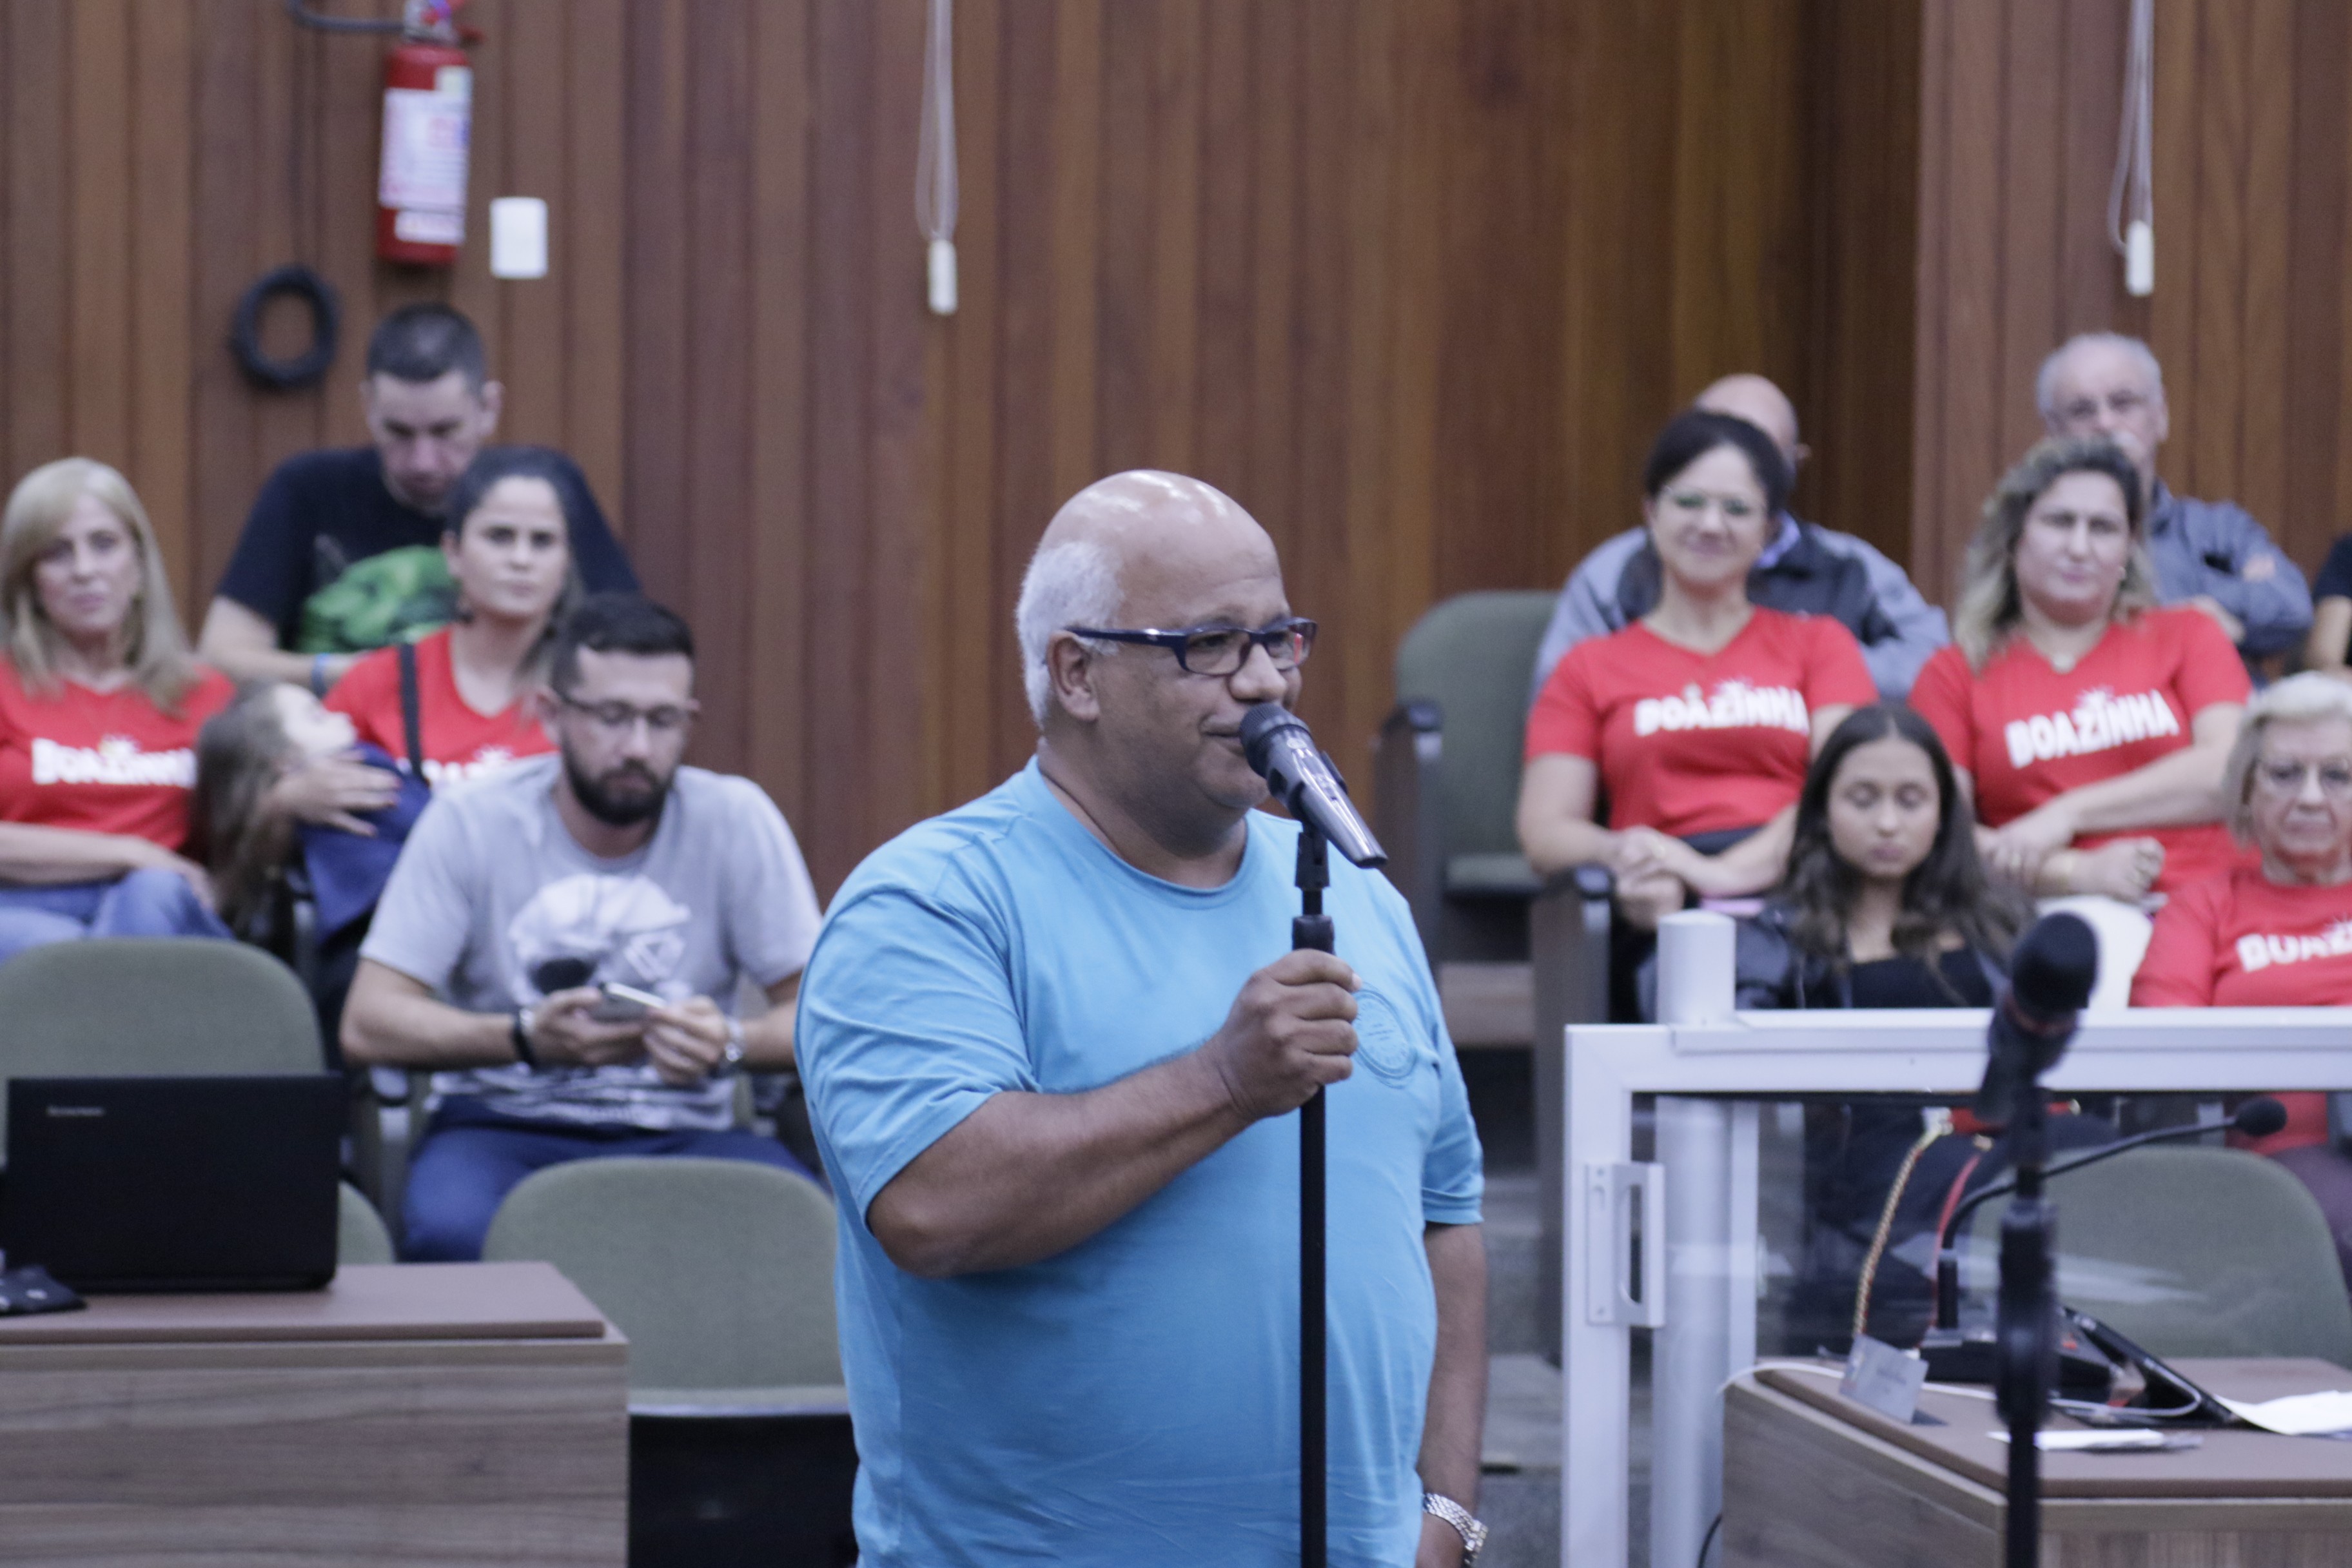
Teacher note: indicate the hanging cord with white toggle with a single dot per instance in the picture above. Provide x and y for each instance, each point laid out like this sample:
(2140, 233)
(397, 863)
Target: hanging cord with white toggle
(935, 161)
(2131, 200)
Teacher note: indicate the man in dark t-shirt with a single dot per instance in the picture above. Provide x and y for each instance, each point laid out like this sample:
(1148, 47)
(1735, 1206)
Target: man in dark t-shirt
(342, 551)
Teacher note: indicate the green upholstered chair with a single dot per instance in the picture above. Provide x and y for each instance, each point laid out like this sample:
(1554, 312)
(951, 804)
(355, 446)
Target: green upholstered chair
(2192, 1252)
(718, 1271)
(360, 1233)
(125, 1006)
(1449, 772)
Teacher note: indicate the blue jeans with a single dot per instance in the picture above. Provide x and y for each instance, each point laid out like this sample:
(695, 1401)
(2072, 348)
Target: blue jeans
(468, 1164)
(138, 903)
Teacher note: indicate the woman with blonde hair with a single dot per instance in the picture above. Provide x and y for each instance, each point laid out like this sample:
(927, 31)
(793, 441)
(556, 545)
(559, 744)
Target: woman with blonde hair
(2089, 725)
(99, 705)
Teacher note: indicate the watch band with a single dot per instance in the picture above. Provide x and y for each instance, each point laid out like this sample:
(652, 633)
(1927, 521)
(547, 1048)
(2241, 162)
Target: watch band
(521, 1033)
(1465, 1524)
(734, 1058)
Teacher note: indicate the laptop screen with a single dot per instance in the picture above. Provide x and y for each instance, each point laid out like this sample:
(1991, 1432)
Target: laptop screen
(174, 1183)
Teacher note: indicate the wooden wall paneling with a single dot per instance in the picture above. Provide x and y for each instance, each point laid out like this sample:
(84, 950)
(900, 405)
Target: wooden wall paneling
(778, 738)
(1364, 236)
(1132, 244)
(471, 288)
(2263, 299)
(39, 392)
(588, 259)
(1077, 194)
(2181, 249)
(98, 151)
(1863, 195)
(715, 518)
(657, 280)
(2032, 220)
(286, 110)
(987, 723)
(161, 351)
(1321, 543)
(345, 152)
(1266, 480)
(1176, 92)
(2313, 412)
(904, 699)
(535, 106)
(2090, 287)
(842, 619)
(1935, 532)
(1400, 199)
(1223, 332)
(228, 198)
(2224, 94)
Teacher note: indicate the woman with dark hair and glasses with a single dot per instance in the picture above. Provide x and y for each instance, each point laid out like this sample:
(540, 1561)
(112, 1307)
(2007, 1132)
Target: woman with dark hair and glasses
(1691, 728)
(465, 704)
(2278, 932)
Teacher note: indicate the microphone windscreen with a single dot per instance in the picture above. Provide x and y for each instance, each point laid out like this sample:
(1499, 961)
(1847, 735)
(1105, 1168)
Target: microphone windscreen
(1259, 727)
(2054, 966)
(2260, 1117)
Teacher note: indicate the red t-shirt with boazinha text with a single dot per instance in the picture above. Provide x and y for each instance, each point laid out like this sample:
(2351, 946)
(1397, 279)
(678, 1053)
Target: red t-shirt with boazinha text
(2027, 732)
(2244, 941)
(1694, 742)
(104, 762)
(458, 742)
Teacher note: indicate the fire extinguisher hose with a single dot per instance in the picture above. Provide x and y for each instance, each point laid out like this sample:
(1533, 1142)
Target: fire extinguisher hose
(326, 320)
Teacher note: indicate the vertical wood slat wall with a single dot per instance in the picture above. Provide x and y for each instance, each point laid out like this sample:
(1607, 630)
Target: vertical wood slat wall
(1414, 280)
(2019, 106)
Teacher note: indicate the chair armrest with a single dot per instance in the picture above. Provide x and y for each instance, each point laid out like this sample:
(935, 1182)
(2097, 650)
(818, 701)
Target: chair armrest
(1408, 817)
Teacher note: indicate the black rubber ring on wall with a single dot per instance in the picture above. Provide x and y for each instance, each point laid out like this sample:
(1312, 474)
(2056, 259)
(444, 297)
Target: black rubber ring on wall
(326, 318)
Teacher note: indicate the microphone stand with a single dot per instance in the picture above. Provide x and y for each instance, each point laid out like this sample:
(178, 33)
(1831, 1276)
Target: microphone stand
(1311, 931)
(2025, 1342)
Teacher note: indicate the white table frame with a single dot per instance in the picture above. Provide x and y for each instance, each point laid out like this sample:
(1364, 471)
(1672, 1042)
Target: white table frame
(1704, 1309)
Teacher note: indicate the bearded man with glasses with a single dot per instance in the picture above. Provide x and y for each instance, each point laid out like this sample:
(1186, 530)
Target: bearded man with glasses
(1050, 1040)
(2276, 929)
(555, 938)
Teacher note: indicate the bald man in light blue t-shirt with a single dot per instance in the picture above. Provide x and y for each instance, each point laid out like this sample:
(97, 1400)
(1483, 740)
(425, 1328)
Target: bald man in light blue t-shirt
(1050, 1040)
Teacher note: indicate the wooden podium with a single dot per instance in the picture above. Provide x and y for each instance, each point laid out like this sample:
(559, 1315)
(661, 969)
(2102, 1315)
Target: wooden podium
(1812, 1478)
(409, 1413)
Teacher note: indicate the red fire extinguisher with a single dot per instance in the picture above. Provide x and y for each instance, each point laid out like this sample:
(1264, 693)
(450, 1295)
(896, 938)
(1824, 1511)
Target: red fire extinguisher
(428, 110)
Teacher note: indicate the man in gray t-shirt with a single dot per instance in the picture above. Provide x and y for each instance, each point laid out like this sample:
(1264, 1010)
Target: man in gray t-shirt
(528, 907)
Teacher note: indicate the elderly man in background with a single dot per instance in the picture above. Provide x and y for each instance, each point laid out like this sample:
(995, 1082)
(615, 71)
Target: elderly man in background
(1805, 569)
(1050, 1040)
(2210, 554)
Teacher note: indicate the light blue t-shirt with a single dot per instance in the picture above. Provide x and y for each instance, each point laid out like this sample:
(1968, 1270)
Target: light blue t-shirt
(1132, 1402)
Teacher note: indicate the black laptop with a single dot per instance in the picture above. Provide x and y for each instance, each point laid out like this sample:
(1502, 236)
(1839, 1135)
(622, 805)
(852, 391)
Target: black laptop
(174, 1183)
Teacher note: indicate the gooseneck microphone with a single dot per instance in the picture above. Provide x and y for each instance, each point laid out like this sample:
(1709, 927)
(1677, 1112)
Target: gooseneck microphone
(2258, 1118)
(2050, 978)
(1281, 752)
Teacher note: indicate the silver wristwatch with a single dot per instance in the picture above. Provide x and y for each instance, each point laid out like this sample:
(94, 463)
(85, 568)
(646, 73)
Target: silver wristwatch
(734, 1058)
(1473, 1533)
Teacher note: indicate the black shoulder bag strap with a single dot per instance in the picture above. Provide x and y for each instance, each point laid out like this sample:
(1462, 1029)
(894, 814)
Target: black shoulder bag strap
(412, 723)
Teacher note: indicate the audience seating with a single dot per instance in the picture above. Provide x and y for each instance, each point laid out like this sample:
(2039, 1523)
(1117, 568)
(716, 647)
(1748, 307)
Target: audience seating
(2193, 1252)
(361, 1235)
(132, 1005)
(721, 1274)
(720, 1271)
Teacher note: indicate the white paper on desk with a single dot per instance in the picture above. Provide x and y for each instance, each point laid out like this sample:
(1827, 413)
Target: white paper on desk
(2299, 1415)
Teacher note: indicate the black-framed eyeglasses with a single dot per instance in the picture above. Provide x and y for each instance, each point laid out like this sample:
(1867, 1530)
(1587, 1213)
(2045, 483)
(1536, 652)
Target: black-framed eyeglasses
(1218, 648)
(620, 717)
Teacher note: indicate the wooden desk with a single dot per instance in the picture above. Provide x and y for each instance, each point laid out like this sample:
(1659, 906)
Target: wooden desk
(1811, 1477)
(413, 1413)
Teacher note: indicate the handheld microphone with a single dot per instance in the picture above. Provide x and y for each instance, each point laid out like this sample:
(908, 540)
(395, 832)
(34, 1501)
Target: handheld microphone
(2258, 1118)
(2050, 976)
(1282, 753)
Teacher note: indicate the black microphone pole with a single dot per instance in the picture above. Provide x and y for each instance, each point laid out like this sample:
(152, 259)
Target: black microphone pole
(2027, 1355)
(1311, 931)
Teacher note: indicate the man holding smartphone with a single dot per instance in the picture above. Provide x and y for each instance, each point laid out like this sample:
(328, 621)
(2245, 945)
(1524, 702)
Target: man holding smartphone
(552, 940)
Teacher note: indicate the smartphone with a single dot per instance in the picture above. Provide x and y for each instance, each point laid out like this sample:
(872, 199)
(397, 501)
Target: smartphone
(623, 1003)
